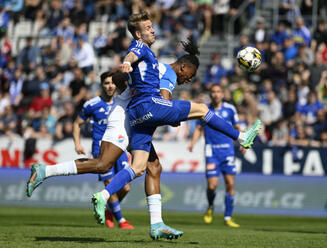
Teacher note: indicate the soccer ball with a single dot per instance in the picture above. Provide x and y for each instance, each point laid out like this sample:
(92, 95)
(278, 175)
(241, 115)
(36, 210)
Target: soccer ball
(249, 58)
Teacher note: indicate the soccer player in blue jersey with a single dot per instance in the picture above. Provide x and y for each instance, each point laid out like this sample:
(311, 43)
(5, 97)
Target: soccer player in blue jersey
(113, 145)
(97, 109)
(148, 109)
(219, 152)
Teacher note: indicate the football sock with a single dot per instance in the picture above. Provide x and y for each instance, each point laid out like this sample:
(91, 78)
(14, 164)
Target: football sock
(122, 178)
(211, 194)
(219, 124)
(62, 169)
(154, 206)
(229, 205)
(115, 209)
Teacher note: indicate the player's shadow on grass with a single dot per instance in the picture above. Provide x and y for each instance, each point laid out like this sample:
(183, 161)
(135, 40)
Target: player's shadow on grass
(100, 240)
(70, 239)
(290, 231)
(61, 225)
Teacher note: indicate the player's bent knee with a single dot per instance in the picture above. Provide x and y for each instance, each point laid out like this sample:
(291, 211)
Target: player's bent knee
(103, 167)
(154, 169)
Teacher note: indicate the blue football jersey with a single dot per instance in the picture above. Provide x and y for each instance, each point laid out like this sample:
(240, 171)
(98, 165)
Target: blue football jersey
(145, 74)
(216, 139)
(97, 110)
(167, 77)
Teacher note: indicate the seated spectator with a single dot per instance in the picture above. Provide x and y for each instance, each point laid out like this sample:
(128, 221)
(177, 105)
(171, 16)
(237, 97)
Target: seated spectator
(55, 15)
(277, 72)
(8, 121)
(214, 72)
(279, 35)
(300, 138)
(16, 87)
(260, 33)
(270, 112)
(280, 134)
(28, 57)
(320, 125)
(289, 107)
(65, 30)
(64, 127)
(4, 20)
(308, 112)
(316, 70)
(290, 51)
(84, 55)
(41, 102)
(319, 35)
(321, 89)
(301, 33)
(100, 43)
(78, 89)
(78, 14)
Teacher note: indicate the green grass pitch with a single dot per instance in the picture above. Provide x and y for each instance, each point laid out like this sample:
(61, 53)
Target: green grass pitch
(75, 227)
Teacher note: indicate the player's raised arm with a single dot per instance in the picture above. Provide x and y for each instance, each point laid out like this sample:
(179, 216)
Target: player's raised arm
(126, 66)
(76, 135)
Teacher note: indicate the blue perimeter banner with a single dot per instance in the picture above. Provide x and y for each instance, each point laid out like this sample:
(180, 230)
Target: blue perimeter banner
(256, 194)
(306, 161)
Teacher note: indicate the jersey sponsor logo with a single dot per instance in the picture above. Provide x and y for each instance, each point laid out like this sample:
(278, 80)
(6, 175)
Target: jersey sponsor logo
(211, 166)
(121, 138)
(101, 110)
(162, 101)
(142, 119)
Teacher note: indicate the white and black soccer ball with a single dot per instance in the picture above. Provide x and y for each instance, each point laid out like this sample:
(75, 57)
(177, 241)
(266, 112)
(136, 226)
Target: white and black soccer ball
(249, 58)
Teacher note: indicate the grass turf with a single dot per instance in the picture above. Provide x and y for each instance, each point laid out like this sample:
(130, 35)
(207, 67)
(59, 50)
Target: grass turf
(75, 227)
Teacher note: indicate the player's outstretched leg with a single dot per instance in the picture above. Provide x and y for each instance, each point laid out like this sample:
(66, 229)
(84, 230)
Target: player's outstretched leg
(99, 207)
(251, 134)
(161, 230)
(36, 178)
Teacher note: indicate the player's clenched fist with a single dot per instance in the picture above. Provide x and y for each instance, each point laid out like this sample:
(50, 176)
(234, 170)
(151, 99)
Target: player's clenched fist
(126, 67)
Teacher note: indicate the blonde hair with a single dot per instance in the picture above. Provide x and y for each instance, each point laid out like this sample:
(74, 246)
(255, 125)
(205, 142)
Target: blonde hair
(134, 20)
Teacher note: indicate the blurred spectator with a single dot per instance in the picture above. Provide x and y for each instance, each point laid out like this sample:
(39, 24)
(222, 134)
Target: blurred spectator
(279, 35)
(301, 34)
(31, 88)
(260, 33)
(321, 89)
(214, 72)
(65, 30)
(308, 111)
(8, 121)
(100, 43)
(55, 14)
(14, 7)
(59, 98)
(31, 8)
(78, 89)
(316, 70)
(28, 57)
(4, 20)
(219, 17)
(305, 55)
(6, 47)
(319, 35)
(84, 55)
(289, 11)
(42, 101)
(270, 112)
(289, 107)
(190, 19)
(78, 14)
(320, 125)
(64, 127)
(289, 50)
(277, 71)
(16, 87)
(300, 138)
(280, 134)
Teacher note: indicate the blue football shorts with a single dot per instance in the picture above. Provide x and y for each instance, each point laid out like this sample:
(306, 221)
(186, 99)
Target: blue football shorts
(145, 117)
(222, 163)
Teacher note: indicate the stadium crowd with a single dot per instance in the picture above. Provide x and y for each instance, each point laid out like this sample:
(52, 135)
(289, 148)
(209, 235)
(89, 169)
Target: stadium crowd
(43, 86)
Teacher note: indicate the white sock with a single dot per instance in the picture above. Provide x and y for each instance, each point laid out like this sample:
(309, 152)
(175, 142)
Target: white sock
(105, 195)
(121, 220)
(226, 218)
(154, 205)
(241, 137)
(62, 169)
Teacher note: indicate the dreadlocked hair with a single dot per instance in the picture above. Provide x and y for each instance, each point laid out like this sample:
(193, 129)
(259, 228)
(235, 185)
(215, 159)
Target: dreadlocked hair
(191, 53)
